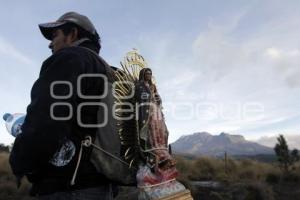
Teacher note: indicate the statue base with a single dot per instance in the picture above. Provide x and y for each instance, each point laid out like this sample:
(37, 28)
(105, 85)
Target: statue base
(184, 195)
(169, 190)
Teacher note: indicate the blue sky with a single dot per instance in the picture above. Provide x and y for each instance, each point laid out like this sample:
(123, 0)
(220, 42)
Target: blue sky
(228, 66)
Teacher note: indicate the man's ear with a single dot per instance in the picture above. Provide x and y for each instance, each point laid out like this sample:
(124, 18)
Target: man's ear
(74, 35)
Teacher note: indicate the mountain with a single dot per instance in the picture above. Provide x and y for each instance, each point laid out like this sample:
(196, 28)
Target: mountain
(203, 143)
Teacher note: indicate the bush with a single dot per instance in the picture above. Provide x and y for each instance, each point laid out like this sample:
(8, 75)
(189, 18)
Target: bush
(183, 166)
(255, 171)
(272, 178)
(232, 166)
(247, 174)
(215, 196)
(290, 177)
(205, 168)
(8, 186)
(252, 191)
(5, 168)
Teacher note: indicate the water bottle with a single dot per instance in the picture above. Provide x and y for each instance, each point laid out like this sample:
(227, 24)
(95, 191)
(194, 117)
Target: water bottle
(13, 123)
(63, 155)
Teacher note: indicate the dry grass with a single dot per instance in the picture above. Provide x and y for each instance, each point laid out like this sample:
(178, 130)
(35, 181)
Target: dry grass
(8, 187)
(247, 178)
(209, 168)
(5, 169)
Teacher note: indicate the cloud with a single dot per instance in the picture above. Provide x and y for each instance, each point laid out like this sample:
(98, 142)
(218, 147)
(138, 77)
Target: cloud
(217, 51)
(8, 50)
(229, 69)
(221, 52)
(273, 53)
(16, 78)
(293, 141)
(286, 62)
(259, 68)
(179, 86)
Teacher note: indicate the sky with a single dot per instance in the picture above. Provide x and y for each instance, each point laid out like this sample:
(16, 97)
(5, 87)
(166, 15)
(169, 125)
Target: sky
(220, 66)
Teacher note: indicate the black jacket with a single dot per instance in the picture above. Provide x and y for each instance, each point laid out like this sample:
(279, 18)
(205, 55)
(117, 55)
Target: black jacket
(42, 135)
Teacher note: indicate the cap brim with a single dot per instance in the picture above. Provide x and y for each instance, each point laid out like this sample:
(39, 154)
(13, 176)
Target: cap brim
(47, 28)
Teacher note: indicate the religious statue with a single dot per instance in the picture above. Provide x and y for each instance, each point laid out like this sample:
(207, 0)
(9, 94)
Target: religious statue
(145, 136)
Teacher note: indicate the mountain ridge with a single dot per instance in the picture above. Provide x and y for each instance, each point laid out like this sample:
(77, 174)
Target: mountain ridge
(204, 143)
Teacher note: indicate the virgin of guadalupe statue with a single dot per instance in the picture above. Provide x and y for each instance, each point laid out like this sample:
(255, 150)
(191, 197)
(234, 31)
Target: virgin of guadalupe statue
(156, 174)
(152, 130)
(144, 137)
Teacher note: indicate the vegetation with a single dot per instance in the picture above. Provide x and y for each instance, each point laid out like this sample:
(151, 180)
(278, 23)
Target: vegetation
(4, 148)
(8, 186)
(241, 179)
(285, 158)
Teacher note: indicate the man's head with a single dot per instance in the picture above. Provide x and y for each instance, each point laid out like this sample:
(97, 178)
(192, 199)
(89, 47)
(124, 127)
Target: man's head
(68, 29)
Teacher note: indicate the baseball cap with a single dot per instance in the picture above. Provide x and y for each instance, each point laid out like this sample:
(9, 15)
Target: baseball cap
(69, 17)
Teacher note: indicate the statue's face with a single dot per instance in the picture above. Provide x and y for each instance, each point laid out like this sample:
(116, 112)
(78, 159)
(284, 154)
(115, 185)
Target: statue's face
(148, 75)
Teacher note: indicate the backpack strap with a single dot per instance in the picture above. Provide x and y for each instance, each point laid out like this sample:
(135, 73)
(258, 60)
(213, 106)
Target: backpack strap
(87, 141)
(108, 69)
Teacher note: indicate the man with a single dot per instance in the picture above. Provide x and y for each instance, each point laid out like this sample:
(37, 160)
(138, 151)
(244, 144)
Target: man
(49, 150)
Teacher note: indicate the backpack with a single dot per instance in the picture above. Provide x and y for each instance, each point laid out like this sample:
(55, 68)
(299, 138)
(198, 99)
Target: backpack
(108, 153)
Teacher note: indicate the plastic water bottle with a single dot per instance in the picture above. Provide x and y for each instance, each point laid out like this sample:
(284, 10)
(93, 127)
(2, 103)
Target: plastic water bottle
(63, 155)
(13, 123)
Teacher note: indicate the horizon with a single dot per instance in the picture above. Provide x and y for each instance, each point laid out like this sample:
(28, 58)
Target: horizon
(220, 66)
(293, 141)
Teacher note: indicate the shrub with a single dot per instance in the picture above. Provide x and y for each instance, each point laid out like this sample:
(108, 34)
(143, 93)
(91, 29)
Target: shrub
(215, 196)
(8, 187)
(5, 168)
(205, 168)
(231, 166)
(252, 191)
(272, 178)
(291, 177)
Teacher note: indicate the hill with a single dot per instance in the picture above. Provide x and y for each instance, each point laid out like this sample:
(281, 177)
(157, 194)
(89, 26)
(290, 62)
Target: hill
(204, 143)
